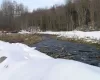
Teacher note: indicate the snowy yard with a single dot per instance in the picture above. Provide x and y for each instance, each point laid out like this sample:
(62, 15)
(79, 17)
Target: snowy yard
(26, 63)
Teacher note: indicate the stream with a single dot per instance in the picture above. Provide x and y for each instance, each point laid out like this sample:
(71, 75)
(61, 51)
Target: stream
(69, 50)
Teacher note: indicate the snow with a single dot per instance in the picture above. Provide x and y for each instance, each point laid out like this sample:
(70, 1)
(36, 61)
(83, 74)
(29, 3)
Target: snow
(26, 63)
(24, 32)
(93, 36)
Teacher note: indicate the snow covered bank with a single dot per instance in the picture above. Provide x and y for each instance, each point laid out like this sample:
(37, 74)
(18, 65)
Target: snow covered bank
(26, 63)
(93, 36)
(20, 51)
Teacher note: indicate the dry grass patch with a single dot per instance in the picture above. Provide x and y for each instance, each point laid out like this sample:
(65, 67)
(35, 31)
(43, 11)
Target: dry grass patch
(80, 41)
(28, 39)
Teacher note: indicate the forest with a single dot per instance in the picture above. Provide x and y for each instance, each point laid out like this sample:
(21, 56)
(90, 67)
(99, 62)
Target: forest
(81, 15)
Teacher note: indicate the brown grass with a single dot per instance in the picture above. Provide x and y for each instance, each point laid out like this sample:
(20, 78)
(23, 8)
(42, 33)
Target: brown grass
(27, 39)
(81, 41)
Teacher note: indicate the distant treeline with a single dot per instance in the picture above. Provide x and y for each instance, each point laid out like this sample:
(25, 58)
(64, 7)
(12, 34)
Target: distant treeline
(12, 15)
(79, 14)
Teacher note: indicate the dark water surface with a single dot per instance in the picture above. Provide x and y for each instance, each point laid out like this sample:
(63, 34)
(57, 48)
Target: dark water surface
(69, 50)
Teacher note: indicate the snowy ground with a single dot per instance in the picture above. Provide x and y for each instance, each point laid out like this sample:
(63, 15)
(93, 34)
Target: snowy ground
(93, 36)
(26, 63)
(24, 32)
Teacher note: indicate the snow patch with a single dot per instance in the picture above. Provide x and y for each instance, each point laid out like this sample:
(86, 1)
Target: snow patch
(24, 32)
(93, 36)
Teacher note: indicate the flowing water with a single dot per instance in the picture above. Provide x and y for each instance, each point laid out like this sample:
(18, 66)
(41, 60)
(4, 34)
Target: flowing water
(69, 50)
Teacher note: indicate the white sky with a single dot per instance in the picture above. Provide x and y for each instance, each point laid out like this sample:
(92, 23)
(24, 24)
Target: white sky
(34, 4)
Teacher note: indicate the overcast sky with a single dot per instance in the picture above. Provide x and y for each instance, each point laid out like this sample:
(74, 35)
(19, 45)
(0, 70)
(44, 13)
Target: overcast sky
(34, 4)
